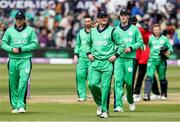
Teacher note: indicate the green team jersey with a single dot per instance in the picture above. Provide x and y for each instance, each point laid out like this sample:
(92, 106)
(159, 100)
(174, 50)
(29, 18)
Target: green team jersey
(156, 43)
(129, 37)
(25, 39)
(81, 41)
(100, 44)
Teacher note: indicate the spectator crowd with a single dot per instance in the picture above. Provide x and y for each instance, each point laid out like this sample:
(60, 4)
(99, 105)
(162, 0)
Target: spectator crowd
(57, 26)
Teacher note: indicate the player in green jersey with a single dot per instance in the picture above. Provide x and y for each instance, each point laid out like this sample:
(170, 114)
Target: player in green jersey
(128, 39)
(160, 48)
(81, 59)
(19, 41)
(101, 52)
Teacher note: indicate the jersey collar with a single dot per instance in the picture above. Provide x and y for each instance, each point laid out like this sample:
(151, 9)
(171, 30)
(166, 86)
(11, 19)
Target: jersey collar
(20, 29)
(125, 27)
(86, 31)
(99, 30)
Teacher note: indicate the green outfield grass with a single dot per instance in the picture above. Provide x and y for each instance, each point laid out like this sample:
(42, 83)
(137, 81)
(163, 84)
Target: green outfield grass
(59, 80)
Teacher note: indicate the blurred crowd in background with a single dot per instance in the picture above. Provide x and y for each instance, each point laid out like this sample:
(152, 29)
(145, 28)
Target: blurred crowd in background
(57, 27)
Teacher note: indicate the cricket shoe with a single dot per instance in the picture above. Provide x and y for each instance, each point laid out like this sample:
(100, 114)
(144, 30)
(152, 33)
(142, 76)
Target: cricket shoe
(146, 97)
(21, 110)
(14, 111)
(81, 99)
(118, 109)
(155, 97)
(104, 115)
(137, 97)
(132, 107)
(99, 111)
(163, 98)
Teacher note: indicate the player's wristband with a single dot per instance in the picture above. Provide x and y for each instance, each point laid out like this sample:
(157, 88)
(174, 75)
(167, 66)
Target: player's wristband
(88, 53)
(20, 50)
(117, 55)
(131, 48)
(76, 54)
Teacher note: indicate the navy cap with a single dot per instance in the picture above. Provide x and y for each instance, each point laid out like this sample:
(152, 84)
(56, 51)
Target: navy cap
(101, 14)
(124, 12)
(20, 15)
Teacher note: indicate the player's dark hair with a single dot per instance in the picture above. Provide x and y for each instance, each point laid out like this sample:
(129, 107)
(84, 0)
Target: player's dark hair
(87, 16)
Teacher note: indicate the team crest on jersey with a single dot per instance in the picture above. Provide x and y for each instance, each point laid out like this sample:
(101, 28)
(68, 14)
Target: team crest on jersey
(149, 64)
(105, 36)
(24, 35)
(130, 33)
(161, 42)
(130, 69)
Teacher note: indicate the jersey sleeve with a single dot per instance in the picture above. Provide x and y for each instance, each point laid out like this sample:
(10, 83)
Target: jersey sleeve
(33, 43)
(120, 45)
(167, 44)
(5, 42)
(88, 45)
(78, 44)
(138, 40)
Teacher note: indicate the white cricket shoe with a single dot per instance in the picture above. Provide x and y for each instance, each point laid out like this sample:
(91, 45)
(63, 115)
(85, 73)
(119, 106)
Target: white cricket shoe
(104, 115)
(155, 97)
(21, 110)
(137, 97)
(132, 107)
(81, 99)
(99, 111)
(14, 111)
(118, 109)
(163, 98)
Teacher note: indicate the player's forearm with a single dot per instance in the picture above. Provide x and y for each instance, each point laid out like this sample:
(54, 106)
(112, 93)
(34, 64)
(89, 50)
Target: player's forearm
(30, 47)
(137, 45)
(6, 47)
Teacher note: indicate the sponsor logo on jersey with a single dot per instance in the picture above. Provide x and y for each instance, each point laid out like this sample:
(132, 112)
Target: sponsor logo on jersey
(156, 46)
(20, 41)
(99, 43)
(128, 39)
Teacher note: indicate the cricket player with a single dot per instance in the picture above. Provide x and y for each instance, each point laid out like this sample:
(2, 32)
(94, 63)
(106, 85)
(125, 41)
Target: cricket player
(142, 56)
(128, 39)
(101, 53)
(81, 59)
(19, 41)
(160, 48)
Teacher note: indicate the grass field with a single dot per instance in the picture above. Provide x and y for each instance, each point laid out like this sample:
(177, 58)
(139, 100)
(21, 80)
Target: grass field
(53, 98)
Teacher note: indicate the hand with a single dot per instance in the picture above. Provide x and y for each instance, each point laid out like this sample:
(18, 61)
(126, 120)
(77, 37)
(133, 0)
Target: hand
(75, 59)
(167, 53)
(91, 58)
(15, 50)
(112, 58)
(127, 50)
